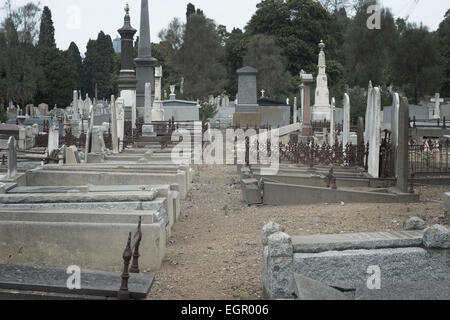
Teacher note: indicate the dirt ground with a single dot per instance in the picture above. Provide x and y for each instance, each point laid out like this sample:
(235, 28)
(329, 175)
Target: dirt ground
(215, 250)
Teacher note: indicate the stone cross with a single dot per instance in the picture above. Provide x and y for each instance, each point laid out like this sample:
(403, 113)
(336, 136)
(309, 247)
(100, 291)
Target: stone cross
(12, 158)
(148, 104)
(115, 140)
(437, 105)
(346, 128)
(332, 123)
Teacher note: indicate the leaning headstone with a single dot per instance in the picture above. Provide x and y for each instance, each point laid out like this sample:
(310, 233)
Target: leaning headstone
(89, 133)
(71, 155)
(12, 157)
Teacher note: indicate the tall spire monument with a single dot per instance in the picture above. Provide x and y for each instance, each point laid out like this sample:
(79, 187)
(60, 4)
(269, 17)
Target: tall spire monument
(322, 108)
(145, 63)
(127, 80)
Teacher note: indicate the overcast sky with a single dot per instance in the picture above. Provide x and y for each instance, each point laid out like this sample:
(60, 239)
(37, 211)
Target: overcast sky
(80, 20)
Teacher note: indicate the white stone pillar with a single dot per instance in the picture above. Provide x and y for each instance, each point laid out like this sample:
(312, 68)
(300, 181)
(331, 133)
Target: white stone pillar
(12, 158)
(115, 142)
(148, 104)
(346, 128)
(332, 123)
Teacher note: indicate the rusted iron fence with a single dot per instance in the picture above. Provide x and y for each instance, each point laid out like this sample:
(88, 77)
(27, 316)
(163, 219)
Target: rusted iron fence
(131, 252)
(311, 154)
(430, 157)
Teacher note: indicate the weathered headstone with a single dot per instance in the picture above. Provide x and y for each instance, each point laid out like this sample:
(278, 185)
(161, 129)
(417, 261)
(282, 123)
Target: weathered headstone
(115, 141)
(75, 115)
(89, 133)
(346, 128)
(120, 110)
(12, 157)
(332, 123)
(402, 153)
(305, 88)
(374, 124)
(53, 139)
(148, 104)
(295, 120)
(157, 110)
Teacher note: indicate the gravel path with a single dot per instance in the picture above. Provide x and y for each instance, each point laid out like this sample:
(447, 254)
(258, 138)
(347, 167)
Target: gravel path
(215, 250)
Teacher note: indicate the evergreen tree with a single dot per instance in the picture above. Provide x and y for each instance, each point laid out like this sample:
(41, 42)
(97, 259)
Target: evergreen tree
(236, 46)
(201, 58)
(369, 52)
(99, 67)
(264, 55)
(190, 10)
(443, 35)
(416, 62)
(47, 30)
(76, 63)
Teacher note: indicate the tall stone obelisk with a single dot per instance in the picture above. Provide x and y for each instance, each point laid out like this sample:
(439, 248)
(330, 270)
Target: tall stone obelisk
(127, 80)
(145, 63)
(321, 110)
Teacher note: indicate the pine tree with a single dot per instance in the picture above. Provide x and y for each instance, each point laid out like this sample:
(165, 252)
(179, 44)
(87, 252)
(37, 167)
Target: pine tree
(76, 63)
(47, 30)
(201, 58)
(99, 67)
(443, 35)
